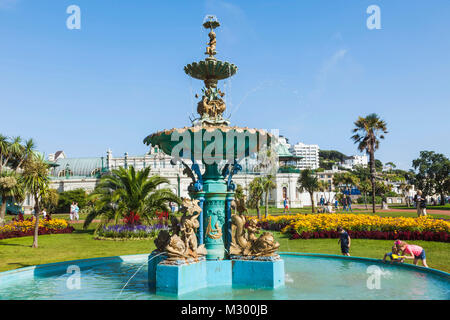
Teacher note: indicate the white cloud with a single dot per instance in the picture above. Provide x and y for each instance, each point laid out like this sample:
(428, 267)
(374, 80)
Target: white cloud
(327, 67)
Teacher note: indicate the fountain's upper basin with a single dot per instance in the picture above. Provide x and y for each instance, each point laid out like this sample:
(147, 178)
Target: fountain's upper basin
(214, 142)
(210, 69)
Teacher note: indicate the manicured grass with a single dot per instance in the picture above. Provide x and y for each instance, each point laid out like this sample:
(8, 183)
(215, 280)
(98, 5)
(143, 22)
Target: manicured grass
(17, 252)
(429, 207)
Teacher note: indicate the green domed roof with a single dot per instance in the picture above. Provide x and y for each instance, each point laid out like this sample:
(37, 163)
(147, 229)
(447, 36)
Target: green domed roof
(84, 167)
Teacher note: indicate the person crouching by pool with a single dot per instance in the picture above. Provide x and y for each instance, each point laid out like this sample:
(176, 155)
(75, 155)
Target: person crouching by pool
(394, 255)
(345, 241)
(411, 251)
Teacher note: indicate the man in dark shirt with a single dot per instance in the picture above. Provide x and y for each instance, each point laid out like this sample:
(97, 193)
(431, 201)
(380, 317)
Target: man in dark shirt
(344, 240)
(344, 203)
(349, 203)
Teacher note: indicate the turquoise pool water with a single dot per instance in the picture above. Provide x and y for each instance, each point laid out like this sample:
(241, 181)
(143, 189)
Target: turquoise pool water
(307, 277)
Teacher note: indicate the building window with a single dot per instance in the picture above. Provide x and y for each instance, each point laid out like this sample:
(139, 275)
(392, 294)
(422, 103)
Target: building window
(96, 171)
(65, 172)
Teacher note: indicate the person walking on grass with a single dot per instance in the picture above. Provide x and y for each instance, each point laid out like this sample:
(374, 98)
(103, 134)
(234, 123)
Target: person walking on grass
(76, 210)
(349, 203)
(286, 205)
(344, 203)
(344, 241)
(72, 211)
(421, 204)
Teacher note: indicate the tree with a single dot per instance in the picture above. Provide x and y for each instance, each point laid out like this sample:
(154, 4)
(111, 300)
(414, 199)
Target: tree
(239, 192)
(324, 187)
(378, 165)
(308, 182)
(367, 134)
(433, 173)
(268, 184)
(127, 192)
(391, 165)
(50, 200)
(12, 157)
(66, 198)
(364, 187)
(26, 152)
(382, 189)
(36, 181)
(256, 191)
(328, 158)
(347, 179)
(10, 187)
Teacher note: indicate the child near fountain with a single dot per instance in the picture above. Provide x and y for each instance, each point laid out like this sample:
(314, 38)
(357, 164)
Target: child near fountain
(345, 241)
(394, 255)
(411, 251)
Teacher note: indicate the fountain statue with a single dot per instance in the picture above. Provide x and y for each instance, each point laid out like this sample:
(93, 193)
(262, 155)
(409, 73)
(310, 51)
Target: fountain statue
(208, 232)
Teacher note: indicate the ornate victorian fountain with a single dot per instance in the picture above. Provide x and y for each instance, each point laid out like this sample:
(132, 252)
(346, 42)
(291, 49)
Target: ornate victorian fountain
(198, 250)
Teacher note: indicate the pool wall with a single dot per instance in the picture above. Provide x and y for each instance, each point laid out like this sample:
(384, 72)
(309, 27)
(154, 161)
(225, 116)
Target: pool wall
(50, 269)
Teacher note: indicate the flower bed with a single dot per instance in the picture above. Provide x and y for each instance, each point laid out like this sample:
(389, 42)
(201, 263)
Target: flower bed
(26, 228)
(129, 231)
(359, 226)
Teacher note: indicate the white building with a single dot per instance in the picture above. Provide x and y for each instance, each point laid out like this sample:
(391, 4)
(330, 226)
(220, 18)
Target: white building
(309, 154)
(354, 161)
(73, 173)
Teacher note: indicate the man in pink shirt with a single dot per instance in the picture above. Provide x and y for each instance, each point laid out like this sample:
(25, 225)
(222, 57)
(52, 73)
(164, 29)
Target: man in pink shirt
(411, 251)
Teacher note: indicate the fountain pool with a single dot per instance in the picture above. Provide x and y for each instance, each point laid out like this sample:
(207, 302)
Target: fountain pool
(307, 276)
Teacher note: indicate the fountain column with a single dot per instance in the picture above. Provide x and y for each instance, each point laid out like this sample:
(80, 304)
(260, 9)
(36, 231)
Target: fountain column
(229, 198)
(214, 227)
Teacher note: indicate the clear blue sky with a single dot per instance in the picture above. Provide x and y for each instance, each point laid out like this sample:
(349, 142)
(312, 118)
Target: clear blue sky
(308, 68)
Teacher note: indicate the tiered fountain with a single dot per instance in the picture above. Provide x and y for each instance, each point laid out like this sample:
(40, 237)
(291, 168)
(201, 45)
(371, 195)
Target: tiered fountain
(208, 246)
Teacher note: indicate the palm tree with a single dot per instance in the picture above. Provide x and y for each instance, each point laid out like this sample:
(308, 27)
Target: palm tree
(26, 152)
(36, 181)
(4, 150)
(10, 186)
(127, 191)
(367, 134)
(256, 191)
(308, 182)
(11, 153)
(268, 184)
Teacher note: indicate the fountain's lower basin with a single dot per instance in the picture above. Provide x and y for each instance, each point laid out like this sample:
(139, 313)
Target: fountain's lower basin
(307, 277)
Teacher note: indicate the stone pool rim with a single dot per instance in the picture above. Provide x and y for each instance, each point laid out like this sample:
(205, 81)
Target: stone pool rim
(89, 262)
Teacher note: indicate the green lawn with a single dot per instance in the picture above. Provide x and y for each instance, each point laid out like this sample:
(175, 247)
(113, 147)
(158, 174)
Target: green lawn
(429, 207)
(17, 252)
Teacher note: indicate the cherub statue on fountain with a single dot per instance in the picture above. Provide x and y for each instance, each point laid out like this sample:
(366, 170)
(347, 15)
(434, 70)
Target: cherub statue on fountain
(246, 244)
(182, 245)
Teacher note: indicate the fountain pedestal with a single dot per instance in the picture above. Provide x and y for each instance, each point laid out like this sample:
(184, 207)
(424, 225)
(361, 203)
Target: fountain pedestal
(181, 279)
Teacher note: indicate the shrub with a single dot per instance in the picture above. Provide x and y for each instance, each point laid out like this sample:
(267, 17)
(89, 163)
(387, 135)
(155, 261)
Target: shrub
(362, 226)
(130, 231)
(67, 197)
